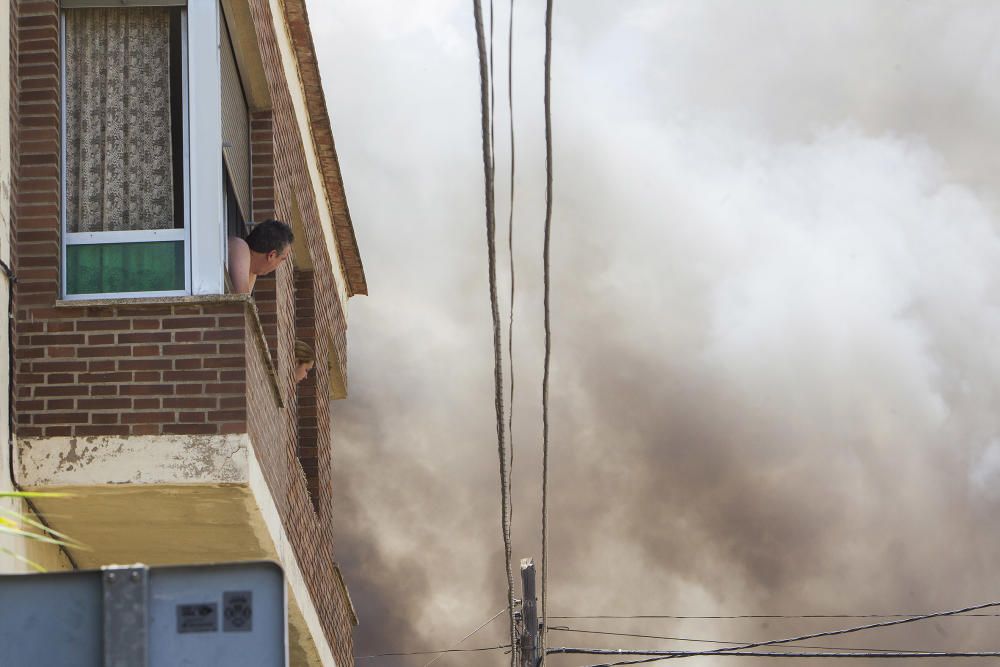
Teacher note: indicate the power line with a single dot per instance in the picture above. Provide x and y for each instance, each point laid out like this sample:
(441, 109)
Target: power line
(484, 93)
(716, 641)
(447, 650)
(762, 616)
(510, 252)
(669, 655)
(459, 642)
(828, 633)
(859, 628)
(548, 327)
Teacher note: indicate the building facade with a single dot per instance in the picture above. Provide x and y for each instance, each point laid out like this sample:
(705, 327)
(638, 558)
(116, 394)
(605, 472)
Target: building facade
(143, 134)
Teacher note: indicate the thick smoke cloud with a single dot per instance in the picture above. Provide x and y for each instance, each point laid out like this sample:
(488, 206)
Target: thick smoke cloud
(776, 290)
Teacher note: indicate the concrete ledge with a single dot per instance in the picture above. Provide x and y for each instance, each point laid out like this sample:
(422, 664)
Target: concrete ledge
(160, 459)
(154, 300)
(307, 636)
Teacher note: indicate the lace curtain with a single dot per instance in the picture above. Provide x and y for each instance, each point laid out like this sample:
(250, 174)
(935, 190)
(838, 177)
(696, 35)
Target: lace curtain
(119, 169)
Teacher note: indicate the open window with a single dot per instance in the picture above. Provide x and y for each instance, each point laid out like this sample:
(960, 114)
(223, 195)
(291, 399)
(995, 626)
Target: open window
(235, 140)
(151, 183)
(125, 136)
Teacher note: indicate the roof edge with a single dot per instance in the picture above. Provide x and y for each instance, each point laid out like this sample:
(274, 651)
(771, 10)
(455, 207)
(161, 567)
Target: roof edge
(297, 20)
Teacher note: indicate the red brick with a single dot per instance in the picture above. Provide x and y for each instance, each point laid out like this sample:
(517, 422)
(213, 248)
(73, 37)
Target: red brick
(230, 402)
(227, 415)
(104, 403)
(148, 418)
(71, 390)
(94, 378)
(61, 418)
(189, 323)
(104, 351)
(224, 362)
(145, 337)
(53, 327)
(144, 364)
(101, 365)
(189, 349)
(187, 336)
(191, 376)
(225, 388)
(190, 429)
(146, 389)
(190, 402)
(223, 334)
(145, 324)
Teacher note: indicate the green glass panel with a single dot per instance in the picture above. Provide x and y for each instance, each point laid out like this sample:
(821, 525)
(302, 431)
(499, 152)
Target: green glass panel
(125, 267)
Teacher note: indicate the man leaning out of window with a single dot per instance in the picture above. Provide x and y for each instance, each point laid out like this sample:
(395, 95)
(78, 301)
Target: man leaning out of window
(267, 245)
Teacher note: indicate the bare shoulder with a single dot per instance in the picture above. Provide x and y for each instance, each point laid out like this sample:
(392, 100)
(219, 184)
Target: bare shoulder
(239, 265)
(238, 247)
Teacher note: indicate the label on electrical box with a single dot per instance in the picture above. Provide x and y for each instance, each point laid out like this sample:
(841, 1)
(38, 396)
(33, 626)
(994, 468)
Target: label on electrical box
(237, 611)
(198, 617)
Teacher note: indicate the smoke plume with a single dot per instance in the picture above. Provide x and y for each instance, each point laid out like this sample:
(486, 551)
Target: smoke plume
(776, 293)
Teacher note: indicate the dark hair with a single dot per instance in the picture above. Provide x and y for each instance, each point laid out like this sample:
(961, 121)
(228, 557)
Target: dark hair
(270, 235)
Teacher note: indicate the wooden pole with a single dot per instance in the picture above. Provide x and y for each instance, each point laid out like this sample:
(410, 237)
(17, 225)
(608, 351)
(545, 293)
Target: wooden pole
(529, 605)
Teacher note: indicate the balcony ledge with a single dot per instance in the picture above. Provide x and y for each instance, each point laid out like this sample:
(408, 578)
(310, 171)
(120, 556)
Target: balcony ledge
(169, 499)
(153, 300)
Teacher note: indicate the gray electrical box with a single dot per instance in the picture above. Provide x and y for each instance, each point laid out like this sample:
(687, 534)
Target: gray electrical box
(227, 615)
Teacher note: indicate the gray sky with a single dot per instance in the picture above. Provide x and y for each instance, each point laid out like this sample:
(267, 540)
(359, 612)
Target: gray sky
(776, 286)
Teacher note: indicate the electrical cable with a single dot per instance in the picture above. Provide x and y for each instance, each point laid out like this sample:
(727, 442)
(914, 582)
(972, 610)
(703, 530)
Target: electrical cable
(447, 650)
(510, 254)
(776, 654)
(484, 88)
(548, 327)
(459, 642)
(827, 633)
(763, 616)
(715, 641)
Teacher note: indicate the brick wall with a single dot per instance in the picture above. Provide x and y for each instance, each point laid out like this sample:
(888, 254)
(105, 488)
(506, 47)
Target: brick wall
(36, 211)
(150, 369)
(261, 165)
(308, 431)
(13, 137)
(294, 184)
(192, 365)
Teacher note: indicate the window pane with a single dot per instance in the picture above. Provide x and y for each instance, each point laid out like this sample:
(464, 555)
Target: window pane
(120, 153)
(125, 267)
(235, 125)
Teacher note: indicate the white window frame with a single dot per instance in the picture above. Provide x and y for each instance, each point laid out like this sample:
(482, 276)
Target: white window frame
(204, 228)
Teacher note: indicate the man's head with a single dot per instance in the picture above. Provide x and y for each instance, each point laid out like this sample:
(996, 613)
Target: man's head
(272, 239)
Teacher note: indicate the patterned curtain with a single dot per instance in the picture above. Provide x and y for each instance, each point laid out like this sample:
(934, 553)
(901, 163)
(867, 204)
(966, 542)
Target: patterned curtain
(119, 170)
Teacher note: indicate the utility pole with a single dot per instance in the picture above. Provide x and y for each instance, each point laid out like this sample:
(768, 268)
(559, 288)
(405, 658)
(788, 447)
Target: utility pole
(529, 606)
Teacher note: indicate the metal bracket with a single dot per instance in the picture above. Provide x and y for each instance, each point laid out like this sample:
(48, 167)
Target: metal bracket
(126, 615)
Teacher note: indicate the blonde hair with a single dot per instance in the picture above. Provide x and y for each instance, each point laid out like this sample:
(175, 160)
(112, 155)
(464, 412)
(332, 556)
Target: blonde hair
(303, 353)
